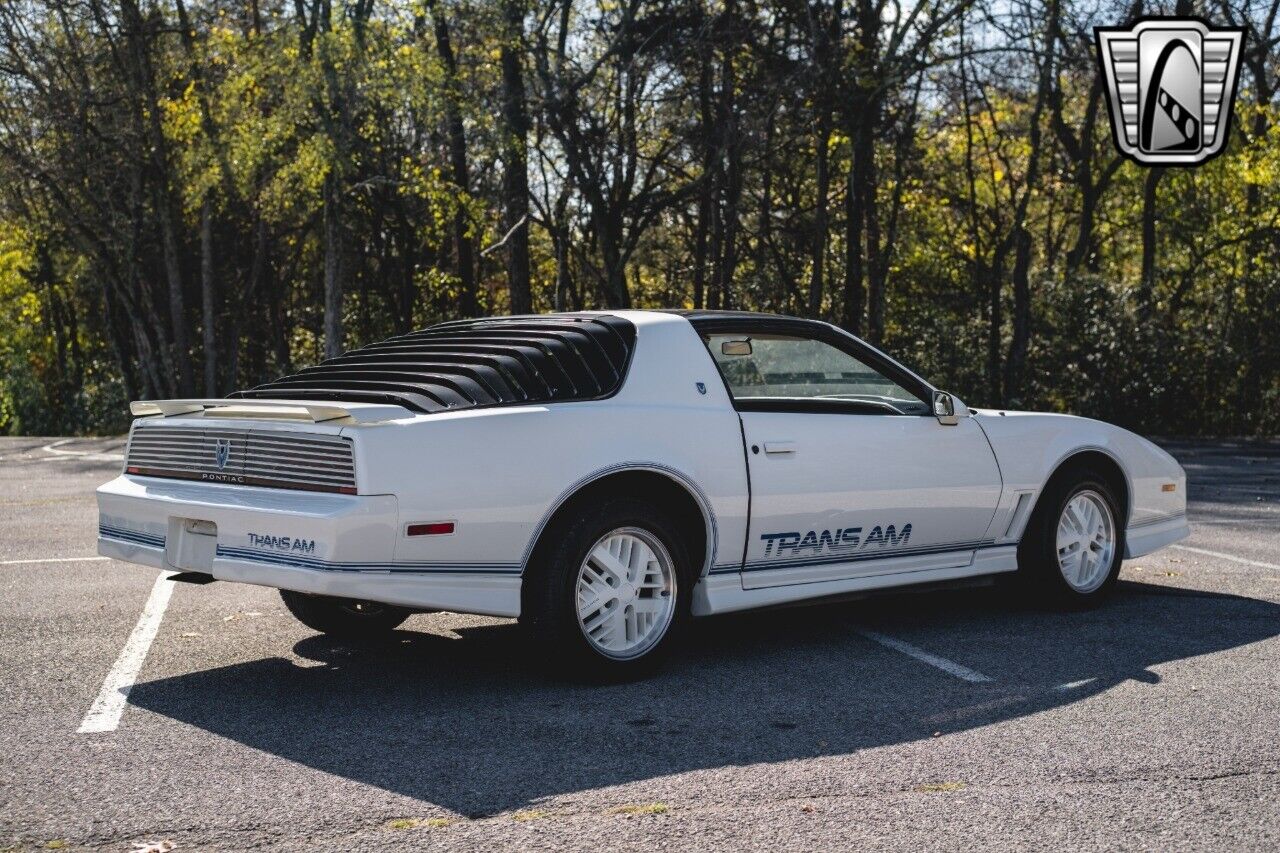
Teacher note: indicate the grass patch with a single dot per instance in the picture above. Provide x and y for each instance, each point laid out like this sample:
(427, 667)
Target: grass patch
(938, 787)
(55, 844)
(530, 814)
(402, 823)
(641, 808)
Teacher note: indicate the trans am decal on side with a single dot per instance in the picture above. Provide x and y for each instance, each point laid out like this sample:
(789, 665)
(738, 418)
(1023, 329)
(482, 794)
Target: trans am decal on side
(842, 540)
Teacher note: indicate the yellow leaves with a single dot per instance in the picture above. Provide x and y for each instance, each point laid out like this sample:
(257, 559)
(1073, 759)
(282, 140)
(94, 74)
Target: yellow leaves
(1261, 172)
(181, 115)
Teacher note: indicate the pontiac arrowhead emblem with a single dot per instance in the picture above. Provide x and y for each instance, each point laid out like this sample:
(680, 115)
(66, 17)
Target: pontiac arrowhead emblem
(221, 452)
(1170, 83)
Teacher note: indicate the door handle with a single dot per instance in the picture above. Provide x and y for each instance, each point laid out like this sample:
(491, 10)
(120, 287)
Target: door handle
(779, 447)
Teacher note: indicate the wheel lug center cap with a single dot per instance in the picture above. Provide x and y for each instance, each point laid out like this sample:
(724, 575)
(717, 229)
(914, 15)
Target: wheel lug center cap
(626, 592)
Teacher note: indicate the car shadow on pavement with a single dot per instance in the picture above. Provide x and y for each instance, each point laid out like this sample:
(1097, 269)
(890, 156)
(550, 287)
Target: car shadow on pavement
(472, 725)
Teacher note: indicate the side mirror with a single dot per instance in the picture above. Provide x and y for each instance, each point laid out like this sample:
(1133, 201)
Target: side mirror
(944, 408)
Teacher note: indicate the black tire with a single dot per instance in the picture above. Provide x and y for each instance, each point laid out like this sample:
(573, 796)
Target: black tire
(549, 597)
(345, 618)
(1039, 574)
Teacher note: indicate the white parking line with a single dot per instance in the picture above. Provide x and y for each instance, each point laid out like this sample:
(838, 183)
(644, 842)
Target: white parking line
(1232, 557)
(51, 560)
(1074, 685)
(104, 715)
(56, 449)
(949, 667)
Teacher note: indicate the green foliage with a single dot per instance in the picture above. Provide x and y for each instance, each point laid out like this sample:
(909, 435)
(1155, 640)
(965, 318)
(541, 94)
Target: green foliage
(675, 142)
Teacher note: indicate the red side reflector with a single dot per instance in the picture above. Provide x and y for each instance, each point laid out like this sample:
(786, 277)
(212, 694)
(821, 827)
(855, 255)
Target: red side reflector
(132, 469)
(347, 490)
(434, 528)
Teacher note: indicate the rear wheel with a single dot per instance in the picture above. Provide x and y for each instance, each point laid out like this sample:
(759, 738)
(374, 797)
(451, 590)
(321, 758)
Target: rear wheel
(610, 593)
(347, 618)
(1071, 553)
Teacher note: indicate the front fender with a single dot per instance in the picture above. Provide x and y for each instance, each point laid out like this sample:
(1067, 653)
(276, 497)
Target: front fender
(1030, 447)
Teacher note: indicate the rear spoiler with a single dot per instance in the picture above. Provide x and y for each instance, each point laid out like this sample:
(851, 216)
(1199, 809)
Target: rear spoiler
(286, 410)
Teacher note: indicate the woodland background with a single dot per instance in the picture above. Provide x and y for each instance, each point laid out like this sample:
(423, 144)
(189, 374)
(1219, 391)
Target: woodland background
(199, 195)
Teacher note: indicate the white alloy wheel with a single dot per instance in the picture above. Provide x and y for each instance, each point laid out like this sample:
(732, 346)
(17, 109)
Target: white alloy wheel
(1086, 541)
(626, 593)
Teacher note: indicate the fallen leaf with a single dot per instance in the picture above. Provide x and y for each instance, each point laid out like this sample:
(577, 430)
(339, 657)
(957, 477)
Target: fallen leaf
(938, 787)
(152, 846)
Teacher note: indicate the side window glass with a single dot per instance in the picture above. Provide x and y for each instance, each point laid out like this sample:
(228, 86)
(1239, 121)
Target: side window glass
(777, 368)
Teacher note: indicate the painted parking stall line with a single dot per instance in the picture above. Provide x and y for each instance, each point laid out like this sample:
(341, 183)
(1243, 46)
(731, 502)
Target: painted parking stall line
(947, 666)
(104, 714)
(57, 449)
(1221, 555)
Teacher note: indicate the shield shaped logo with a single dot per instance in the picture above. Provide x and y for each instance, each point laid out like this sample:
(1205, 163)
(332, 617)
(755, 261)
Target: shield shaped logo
(221, 452)
(1170, 83)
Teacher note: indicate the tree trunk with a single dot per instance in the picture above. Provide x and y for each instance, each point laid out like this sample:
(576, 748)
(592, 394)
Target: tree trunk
(871, 210)
(1147, 285)
(617, 293)
(560, 236)
(1259, 347)
(208, 305)
(515, 176)
(1019, 345)
(706, 186)
(464, 249)
(861, 122)
(855, 206)
(727, 267)
(995, 322)
(822, 177)
(1084, 251)
(139, 38)
(332, 268)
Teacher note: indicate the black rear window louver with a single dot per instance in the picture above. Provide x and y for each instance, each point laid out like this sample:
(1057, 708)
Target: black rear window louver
(467, 364)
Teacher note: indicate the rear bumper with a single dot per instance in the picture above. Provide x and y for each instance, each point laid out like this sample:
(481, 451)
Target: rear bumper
(1142, 539)
(326, 544)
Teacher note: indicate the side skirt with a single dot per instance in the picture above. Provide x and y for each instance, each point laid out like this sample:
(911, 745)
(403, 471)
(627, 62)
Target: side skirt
(723, 593)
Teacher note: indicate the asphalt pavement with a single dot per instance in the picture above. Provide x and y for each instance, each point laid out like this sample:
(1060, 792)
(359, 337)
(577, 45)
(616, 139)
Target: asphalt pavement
(942, 720)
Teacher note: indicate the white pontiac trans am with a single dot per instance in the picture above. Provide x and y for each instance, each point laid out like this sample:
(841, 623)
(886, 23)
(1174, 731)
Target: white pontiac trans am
(606, 476)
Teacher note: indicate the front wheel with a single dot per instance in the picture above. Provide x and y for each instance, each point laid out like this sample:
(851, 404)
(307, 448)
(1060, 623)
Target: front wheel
(609, 595)
(346, 618)
(1071, 553)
